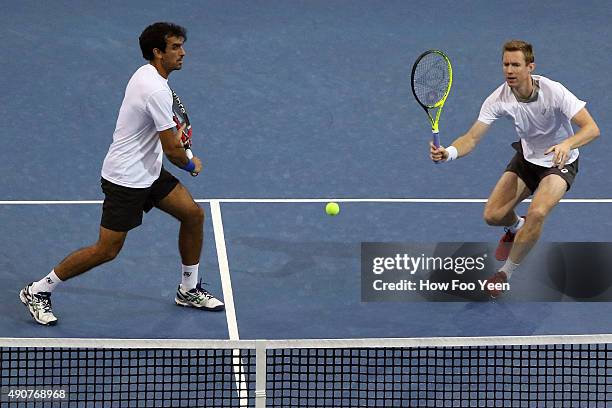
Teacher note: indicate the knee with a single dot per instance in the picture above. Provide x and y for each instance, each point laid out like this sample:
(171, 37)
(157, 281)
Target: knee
(196, 215)
(107, 253)
(492, 216)
(536, 216)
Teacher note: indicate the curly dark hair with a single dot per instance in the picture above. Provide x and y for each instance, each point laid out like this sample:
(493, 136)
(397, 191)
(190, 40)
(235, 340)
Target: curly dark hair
(155, 36)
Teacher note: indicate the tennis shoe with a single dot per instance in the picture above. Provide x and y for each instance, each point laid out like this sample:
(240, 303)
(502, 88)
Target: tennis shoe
(39, 305)
(199, 298)
(498, 277)
(505, 245)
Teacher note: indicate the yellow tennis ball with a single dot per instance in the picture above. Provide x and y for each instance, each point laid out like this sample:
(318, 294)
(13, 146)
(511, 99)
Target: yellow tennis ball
(332, 209)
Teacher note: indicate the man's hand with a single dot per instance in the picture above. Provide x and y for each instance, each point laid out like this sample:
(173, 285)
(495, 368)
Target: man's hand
(560, 154)
(437, 154)
(198, 165)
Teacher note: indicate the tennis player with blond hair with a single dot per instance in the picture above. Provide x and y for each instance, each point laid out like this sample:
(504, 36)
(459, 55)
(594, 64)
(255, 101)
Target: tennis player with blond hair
(546, 159)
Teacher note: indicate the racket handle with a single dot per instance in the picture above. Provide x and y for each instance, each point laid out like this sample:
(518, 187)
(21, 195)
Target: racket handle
(189, 154)
(436, 142)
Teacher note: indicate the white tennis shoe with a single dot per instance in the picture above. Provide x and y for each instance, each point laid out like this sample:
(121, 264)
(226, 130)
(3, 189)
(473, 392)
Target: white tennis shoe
(39, 305)
(198, 298)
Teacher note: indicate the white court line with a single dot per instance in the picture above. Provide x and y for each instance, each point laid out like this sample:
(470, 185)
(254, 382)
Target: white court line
(309, 200)
(49, 202)
(387, 200)
(226, 281)
(228, 298)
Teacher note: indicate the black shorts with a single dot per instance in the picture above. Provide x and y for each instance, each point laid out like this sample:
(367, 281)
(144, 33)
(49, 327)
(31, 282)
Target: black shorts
(123, 206)
(532, 174)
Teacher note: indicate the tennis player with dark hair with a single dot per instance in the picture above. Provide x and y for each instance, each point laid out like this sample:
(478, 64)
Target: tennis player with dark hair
(546, 159)
(134, 179)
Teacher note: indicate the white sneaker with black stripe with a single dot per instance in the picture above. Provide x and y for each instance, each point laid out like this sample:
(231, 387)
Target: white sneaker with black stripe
(39, 305)
(198, 298)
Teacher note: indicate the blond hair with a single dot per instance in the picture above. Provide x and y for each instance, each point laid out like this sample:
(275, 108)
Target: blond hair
(520, 45)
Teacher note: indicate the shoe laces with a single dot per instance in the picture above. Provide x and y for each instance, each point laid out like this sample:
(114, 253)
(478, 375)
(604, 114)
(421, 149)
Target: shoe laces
(203, 291)
(43, 300)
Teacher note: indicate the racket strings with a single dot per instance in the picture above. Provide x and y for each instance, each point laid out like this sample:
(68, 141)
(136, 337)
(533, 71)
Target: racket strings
(431, 79)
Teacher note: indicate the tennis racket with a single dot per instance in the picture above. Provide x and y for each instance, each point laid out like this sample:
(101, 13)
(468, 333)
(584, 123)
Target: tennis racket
(180, 117)
(432, 77)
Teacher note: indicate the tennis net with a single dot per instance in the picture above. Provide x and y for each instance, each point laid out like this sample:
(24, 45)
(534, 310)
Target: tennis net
(531, 371)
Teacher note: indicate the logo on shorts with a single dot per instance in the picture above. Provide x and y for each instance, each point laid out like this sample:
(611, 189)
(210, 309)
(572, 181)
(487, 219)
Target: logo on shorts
(564, 170)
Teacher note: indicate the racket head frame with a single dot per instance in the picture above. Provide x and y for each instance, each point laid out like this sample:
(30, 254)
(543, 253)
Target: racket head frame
(434, 120)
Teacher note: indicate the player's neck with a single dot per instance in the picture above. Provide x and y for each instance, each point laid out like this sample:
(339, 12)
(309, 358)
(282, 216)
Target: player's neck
(160, 69)
(525, 92)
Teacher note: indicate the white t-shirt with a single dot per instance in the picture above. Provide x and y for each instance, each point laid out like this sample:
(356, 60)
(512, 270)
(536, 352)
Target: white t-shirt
(134, 159)
(541, 123)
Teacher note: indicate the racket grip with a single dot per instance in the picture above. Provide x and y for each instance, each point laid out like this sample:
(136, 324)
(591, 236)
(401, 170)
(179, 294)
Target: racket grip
(189, 154)
(436, 142)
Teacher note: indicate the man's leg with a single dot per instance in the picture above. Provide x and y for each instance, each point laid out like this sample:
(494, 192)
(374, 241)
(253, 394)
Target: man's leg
(180, 204)
(106, 249)
(37, 295)
(550, 191)
(509, 191)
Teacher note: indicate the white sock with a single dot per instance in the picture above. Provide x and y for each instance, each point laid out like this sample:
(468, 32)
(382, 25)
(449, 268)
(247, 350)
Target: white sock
(189, 276)
(509, 267)
(517, 225)
(46, 284)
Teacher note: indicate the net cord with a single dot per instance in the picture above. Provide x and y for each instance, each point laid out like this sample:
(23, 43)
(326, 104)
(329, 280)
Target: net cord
(305, 343)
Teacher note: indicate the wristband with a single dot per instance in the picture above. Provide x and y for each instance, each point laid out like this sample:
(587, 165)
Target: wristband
(189, 167)
(452, 153)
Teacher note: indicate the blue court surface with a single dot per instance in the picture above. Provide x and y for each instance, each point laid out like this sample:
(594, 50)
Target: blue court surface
(294, 103)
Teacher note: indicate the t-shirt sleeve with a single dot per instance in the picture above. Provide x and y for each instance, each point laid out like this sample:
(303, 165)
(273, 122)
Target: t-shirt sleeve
(159, 106)
(489, 111)
(568, 103)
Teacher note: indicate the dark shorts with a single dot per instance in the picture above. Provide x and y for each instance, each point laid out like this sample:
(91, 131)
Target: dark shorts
(533, 174)
(123, 206)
